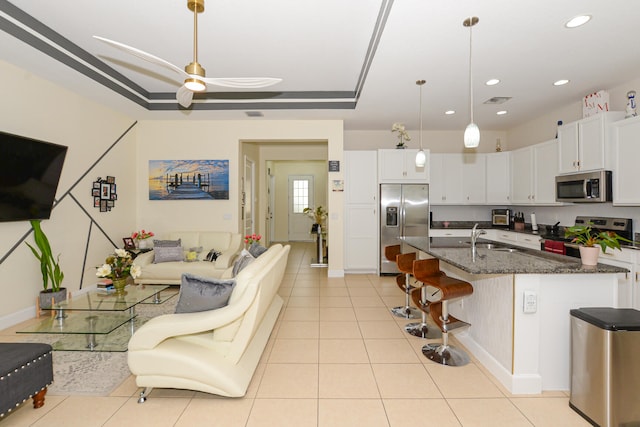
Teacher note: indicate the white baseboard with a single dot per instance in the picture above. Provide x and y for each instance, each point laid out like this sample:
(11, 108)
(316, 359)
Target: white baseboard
(335, 273)
(516, 384)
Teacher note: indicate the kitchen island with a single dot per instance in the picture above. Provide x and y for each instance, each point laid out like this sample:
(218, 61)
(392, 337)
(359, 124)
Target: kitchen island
(527, 347)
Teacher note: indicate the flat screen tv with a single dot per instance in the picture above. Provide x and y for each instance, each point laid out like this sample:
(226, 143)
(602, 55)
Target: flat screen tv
(29, 175)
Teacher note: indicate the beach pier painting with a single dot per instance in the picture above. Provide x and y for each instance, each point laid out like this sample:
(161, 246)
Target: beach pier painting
(188, 179)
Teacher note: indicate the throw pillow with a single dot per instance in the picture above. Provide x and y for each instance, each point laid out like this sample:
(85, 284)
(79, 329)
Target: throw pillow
(256, 249)
(212, 255)
(193, 254)
(203, 293)
(244, 259)
(167, 254)
(167, 243)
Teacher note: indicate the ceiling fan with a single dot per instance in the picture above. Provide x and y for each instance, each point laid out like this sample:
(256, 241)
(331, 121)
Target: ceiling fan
(193, 74)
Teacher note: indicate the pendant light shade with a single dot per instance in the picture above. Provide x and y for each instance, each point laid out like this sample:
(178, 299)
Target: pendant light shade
(421, 157)
(472, 132)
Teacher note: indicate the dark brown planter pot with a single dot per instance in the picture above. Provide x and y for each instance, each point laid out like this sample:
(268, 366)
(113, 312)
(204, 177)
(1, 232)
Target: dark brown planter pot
(47, 296)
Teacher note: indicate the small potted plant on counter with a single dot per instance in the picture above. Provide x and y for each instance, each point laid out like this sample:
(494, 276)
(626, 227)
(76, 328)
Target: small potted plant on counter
(587, 238)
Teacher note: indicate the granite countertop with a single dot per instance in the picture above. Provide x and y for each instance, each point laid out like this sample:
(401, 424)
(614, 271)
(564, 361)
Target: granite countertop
(499, 260)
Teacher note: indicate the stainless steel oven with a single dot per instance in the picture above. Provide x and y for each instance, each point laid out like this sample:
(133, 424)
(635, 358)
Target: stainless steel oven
(586, 187)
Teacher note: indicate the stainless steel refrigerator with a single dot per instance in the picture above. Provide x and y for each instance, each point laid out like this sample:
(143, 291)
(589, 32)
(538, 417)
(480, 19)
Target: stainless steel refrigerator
(404, 211)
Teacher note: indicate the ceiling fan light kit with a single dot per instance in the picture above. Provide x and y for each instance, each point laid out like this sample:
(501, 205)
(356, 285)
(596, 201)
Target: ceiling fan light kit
(421, 156)
(195, 79)
(472, 132)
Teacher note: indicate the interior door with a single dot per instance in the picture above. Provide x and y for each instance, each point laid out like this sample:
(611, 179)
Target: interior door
(301, 192)
(247, 197)
(270, 229)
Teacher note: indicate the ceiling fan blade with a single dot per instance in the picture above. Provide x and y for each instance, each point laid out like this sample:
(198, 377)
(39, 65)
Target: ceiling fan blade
(143, 55)
(241, 82)
(184, 96)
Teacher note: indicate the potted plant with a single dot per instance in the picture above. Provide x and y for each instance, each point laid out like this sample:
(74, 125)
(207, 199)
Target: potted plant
(142, 238)
(403, 135)
(588, 238)
(118, 267)
(318, 215)
(49, 267)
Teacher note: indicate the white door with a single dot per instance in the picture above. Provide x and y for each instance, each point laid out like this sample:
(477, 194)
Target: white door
(247, 197)
(270, 229)
(300, 197)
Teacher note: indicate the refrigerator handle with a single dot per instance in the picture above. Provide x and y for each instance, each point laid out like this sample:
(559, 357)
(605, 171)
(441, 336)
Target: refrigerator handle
(402, 215)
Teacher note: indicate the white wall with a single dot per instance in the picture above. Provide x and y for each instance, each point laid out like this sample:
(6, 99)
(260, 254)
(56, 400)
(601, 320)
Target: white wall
(88, 130)
(437, 141)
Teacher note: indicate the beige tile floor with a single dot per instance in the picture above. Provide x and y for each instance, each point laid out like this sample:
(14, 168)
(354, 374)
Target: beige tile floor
(336, 357)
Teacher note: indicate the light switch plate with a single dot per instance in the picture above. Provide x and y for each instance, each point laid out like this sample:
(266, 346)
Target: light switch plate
(530, 302)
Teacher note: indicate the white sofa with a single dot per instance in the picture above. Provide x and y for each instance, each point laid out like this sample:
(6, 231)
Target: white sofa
(214, 351)
(169, 273)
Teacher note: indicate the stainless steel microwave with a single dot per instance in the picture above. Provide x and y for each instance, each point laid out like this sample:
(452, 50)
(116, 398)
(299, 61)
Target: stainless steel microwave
(584, 187)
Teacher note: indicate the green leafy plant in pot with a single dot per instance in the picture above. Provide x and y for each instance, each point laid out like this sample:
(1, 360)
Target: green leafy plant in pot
(49, 267)
(589, 240)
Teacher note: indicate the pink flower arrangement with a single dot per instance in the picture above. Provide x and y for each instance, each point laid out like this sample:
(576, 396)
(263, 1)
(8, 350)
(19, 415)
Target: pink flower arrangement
(142, 234)
(250, 238)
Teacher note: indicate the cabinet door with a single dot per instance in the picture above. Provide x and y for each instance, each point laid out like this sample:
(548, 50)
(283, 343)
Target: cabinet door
(452, 179)
(391, 165)
(591, 146)
(546, 169)
(626, 175)
(361, 245)
(436, 187)
(498, 178)
(521, 176)
(568, 147)
(474, 171)
(360, 177)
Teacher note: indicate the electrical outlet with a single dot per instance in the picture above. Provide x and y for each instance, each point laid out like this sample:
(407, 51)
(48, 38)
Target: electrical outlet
(530, 302)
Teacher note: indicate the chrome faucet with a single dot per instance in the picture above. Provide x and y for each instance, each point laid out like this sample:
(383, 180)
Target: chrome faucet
(475, 233)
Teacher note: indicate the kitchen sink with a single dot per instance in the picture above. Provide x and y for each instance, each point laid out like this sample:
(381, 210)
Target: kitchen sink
(490, 246)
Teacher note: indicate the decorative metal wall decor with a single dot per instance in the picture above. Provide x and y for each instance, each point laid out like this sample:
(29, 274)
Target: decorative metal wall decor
(104, 193)
(188, 179)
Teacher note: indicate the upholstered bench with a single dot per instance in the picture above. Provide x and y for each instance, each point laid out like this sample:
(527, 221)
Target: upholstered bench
(25, 371)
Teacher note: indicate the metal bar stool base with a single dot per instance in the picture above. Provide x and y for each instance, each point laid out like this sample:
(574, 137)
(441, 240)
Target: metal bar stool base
(445, 355)
(422, 330)
(406, 312)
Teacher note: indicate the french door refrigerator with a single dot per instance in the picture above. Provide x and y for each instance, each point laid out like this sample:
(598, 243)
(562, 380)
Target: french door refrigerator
(404, 211)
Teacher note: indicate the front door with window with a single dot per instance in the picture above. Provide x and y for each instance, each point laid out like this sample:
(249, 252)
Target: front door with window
(300, 197)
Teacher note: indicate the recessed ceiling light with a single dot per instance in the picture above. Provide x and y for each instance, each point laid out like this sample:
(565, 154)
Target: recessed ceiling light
(501, 112)
(577, 21)
(561, 82)
(492, 82)
(450, 112)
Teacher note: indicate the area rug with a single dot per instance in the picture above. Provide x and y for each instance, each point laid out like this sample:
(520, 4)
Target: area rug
(94, 373)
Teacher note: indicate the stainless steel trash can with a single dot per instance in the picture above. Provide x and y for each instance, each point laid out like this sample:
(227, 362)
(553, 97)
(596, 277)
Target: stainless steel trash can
(605, 365)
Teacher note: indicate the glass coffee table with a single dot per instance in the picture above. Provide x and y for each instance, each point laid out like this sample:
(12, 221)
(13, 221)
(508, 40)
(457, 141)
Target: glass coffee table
(82, 319)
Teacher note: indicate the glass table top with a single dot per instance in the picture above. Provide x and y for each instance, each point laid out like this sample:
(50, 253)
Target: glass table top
(112, 301)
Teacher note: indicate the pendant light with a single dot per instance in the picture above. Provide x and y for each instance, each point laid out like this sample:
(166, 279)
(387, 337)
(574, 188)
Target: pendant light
(471, 133)
(421, 157)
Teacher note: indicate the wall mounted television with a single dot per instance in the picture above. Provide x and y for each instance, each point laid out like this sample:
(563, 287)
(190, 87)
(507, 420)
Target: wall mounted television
(29, 175)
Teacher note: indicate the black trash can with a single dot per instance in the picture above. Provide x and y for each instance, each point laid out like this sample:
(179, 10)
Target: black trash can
(605, 365)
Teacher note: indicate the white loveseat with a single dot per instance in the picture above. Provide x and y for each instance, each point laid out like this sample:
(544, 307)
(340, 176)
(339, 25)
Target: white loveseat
(169, 273)
(214, 351)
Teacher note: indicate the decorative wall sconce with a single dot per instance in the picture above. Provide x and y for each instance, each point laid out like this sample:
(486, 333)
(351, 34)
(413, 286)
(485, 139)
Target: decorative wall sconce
(104, 193)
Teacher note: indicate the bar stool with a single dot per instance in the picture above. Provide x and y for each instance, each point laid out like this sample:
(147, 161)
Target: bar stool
(423, 269)
(439, 290)
(405, 265)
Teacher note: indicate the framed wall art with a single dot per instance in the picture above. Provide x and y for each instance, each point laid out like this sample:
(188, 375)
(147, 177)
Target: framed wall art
(104, 193)
(188, 179)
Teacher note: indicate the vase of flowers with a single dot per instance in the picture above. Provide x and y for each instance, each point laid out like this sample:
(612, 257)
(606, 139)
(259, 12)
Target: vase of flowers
(403, 135)
(119, 267)
(318, 215)
(142, 238)
(251, 238)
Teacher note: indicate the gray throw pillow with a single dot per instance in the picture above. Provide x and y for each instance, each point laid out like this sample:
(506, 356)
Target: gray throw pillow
(167, 243)
(244, 259)
(203, 293)
(167, 254)
(256, 249)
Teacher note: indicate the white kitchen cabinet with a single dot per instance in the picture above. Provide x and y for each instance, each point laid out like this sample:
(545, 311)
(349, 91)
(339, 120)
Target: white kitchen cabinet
(533, 172)
(361, 212)
(626, 153)
(458, 179)
(635, 282)
(584, 144)
(399, 166)
(498, 182)
(627, 282)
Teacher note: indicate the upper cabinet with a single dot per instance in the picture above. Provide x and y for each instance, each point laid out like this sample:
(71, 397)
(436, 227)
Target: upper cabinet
(498, 178)
(361, 186)
(458, 179)
(626, 173)
(533, 172)
(399, 166)
(584, 144)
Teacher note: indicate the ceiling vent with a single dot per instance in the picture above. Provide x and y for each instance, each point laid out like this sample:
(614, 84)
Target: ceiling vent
(254, 114)
(497, 100)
